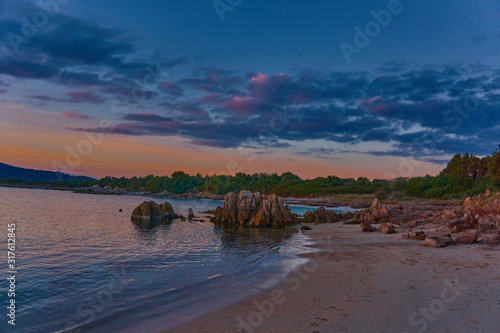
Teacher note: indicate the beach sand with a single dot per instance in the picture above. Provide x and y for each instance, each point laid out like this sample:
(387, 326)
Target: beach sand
(371, 282)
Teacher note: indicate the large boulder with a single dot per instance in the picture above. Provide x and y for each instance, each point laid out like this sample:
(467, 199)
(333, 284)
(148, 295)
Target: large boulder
(148, 211)
(253, 210)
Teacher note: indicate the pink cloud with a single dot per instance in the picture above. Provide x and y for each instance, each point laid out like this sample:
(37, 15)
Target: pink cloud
(240, 104)
(259, 79)
(74, 115)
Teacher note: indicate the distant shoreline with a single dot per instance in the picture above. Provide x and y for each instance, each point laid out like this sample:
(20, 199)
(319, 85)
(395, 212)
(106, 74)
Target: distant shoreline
(318, 201)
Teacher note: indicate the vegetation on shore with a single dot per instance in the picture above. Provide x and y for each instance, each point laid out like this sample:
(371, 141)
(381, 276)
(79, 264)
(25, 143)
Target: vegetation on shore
(465, 175)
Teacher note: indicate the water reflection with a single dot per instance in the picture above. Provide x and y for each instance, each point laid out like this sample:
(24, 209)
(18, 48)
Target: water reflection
(248, 241)
(146, 230)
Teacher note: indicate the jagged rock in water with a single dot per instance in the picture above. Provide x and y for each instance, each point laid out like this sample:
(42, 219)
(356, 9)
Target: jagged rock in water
(253, 210)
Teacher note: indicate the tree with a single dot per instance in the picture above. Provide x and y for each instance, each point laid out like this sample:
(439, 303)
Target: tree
(493, 164)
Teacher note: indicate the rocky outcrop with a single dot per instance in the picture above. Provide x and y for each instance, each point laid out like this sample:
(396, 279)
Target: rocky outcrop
(375, 214)
(483, 211)
(322, 215)
(253, 210)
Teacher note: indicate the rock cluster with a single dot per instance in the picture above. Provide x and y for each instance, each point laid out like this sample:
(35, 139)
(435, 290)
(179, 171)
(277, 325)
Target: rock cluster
(375, 214)
(150, 211)
(322, 215)
(256, 210)
(96, 189)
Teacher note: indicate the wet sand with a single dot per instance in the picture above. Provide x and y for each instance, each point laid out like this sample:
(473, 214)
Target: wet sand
(372, 282)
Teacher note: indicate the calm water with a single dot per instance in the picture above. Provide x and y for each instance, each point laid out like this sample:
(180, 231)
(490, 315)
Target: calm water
(82, 265)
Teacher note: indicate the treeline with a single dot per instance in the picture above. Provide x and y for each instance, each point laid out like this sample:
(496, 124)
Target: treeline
(465, 175)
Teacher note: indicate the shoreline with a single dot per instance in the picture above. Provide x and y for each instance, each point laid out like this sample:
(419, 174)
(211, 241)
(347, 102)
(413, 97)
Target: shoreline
(313, 202)
(372, 283)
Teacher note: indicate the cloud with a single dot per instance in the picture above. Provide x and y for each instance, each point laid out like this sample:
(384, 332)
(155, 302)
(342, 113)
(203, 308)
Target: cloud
(416, 112)
(74, 115)
(78, 52)
(84, 96)
(171, 88)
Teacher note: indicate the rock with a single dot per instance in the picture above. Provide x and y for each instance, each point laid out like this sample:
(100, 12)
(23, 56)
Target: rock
(321, 215)
(435, 242)
(305, 228)
(367, 227)
(466, 239)
(347, 216)
(416, 235)
(254, 210)
(494, 240)
(359, 205)
(386, 228)
(458, 228)
(375, 214)
(168, 210)
(148, 211)
(120, 210)
(190, 213)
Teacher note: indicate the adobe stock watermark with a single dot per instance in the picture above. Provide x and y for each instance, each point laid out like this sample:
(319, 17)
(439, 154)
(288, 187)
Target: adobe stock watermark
(85, 147)
(436, 307)
(278, 123)
(364, 36)
(223, 6)
(265, 308)
(91, 306)
(455, 117)
(33, 25)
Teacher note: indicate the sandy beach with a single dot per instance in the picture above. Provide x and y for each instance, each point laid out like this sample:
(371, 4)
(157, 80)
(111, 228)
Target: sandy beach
(372, 282)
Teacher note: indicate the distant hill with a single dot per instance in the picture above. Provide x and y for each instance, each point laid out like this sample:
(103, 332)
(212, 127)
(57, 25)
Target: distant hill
(9, 171)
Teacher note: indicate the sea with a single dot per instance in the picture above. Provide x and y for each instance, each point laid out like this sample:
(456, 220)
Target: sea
(81, 265)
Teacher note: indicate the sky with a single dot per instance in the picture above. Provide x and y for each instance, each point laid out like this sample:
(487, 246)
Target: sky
(378, 89)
